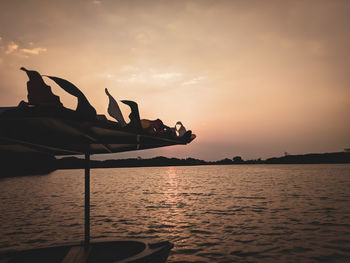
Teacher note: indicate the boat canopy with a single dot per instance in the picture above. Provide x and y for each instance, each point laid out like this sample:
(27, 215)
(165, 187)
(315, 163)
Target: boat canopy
(44, 125)
(61, 131)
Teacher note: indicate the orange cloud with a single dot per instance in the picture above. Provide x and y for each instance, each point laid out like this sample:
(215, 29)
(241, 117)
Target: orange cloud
(33, 51)
(11, 48)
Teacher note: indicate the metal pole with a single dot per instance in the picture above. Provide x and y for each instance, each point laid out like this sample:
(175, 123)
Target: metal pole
(87, 200)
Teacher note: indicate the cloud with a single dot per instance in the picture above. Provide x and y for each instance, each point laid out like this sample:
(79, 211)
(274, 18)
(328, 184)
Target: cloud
(154, 76)
(11, 47)
(14, 47)
(135, 78)
(167, 75)
(193, 81)
(33, 51)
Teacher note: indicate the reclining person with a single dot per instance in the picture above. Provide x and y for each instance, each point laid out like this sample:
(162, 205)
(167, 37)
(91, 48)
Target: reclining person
(157, 127)
(114, 112)
(153, 127)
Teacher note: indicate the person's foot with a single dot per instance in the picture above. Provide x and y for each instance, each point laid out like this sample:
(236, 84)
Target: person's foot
(187, 136)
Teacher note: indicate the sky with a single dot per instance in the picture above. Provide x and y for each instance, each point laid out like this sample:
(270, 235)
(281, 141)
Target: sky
(249, 78)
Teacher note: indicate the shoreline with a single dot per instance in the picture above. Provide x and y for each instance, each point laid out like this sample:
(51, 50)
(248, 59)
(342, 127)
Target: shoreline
(14, 165)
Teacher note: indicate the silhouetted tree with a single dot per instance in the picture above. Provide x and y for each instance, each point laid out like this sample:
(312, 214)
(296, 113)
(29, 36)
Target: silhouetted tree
(237, 159)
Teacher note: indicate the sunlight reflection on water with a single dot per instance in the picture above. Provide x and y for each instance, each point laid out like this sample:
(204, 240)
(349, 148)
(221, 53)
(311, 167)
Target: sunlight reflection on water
(257, 213)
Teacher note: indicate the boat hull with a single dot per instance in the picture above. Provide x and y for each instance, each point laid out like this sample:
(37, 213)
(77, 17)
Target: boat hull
(129, 251)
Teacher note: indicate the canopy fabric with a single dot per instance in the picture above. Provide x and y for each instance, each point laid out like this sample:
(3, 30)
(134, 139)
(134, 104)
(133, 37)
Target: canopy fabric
(64, 132)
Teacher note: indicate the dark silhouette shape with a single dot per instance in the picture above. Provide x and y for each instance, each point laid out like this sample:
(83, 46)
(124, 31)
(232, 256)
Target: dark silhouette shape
(337, 157)
(84, 107)
(187, 136)
(39, 94)
(27, 164)
(237, 159)
(181, 130)
(114, 110)
(135, 122)
(152, 127)
(18, 164)
(157, 127)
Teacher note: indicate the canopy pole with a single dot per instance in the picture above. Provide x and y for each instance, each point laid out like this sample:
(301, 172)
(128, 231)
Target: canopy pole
(87, 200)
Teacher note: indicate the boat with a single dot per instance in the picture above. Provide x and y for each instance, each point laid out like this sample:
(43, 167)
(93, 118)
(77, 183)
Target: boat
(61, 131)
(122, 251)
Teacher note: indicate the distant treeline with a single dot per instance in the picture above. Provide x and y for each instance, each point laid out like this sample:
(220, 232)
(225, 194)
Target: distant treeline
(73, 162)
(22, 164)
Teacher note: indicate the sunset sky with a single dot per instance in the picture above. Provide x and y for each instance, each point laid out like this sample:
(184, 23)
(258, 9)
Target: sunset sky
(250, 78)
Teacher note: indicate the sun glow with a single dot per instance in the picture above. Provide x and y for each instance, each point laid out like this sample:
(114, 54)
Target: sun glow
(238, 75)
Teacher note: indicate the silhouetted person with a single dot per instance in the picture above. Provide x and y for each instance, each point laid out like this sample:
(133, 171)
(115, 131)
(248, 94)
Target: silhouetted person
(152, 127)
(134, 116)
(84, 108)
(40, 94)
(157, 127)
(114, 110)
(185, 135)
(181, 130)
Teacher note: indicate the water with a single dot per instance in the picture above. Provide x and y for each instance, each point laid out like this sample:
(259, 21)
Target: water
(242, 213)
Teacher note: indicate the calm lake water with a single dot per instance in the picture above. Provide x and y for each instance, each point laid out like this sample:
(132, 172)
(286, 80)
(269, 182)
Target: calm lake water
(242, 213)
